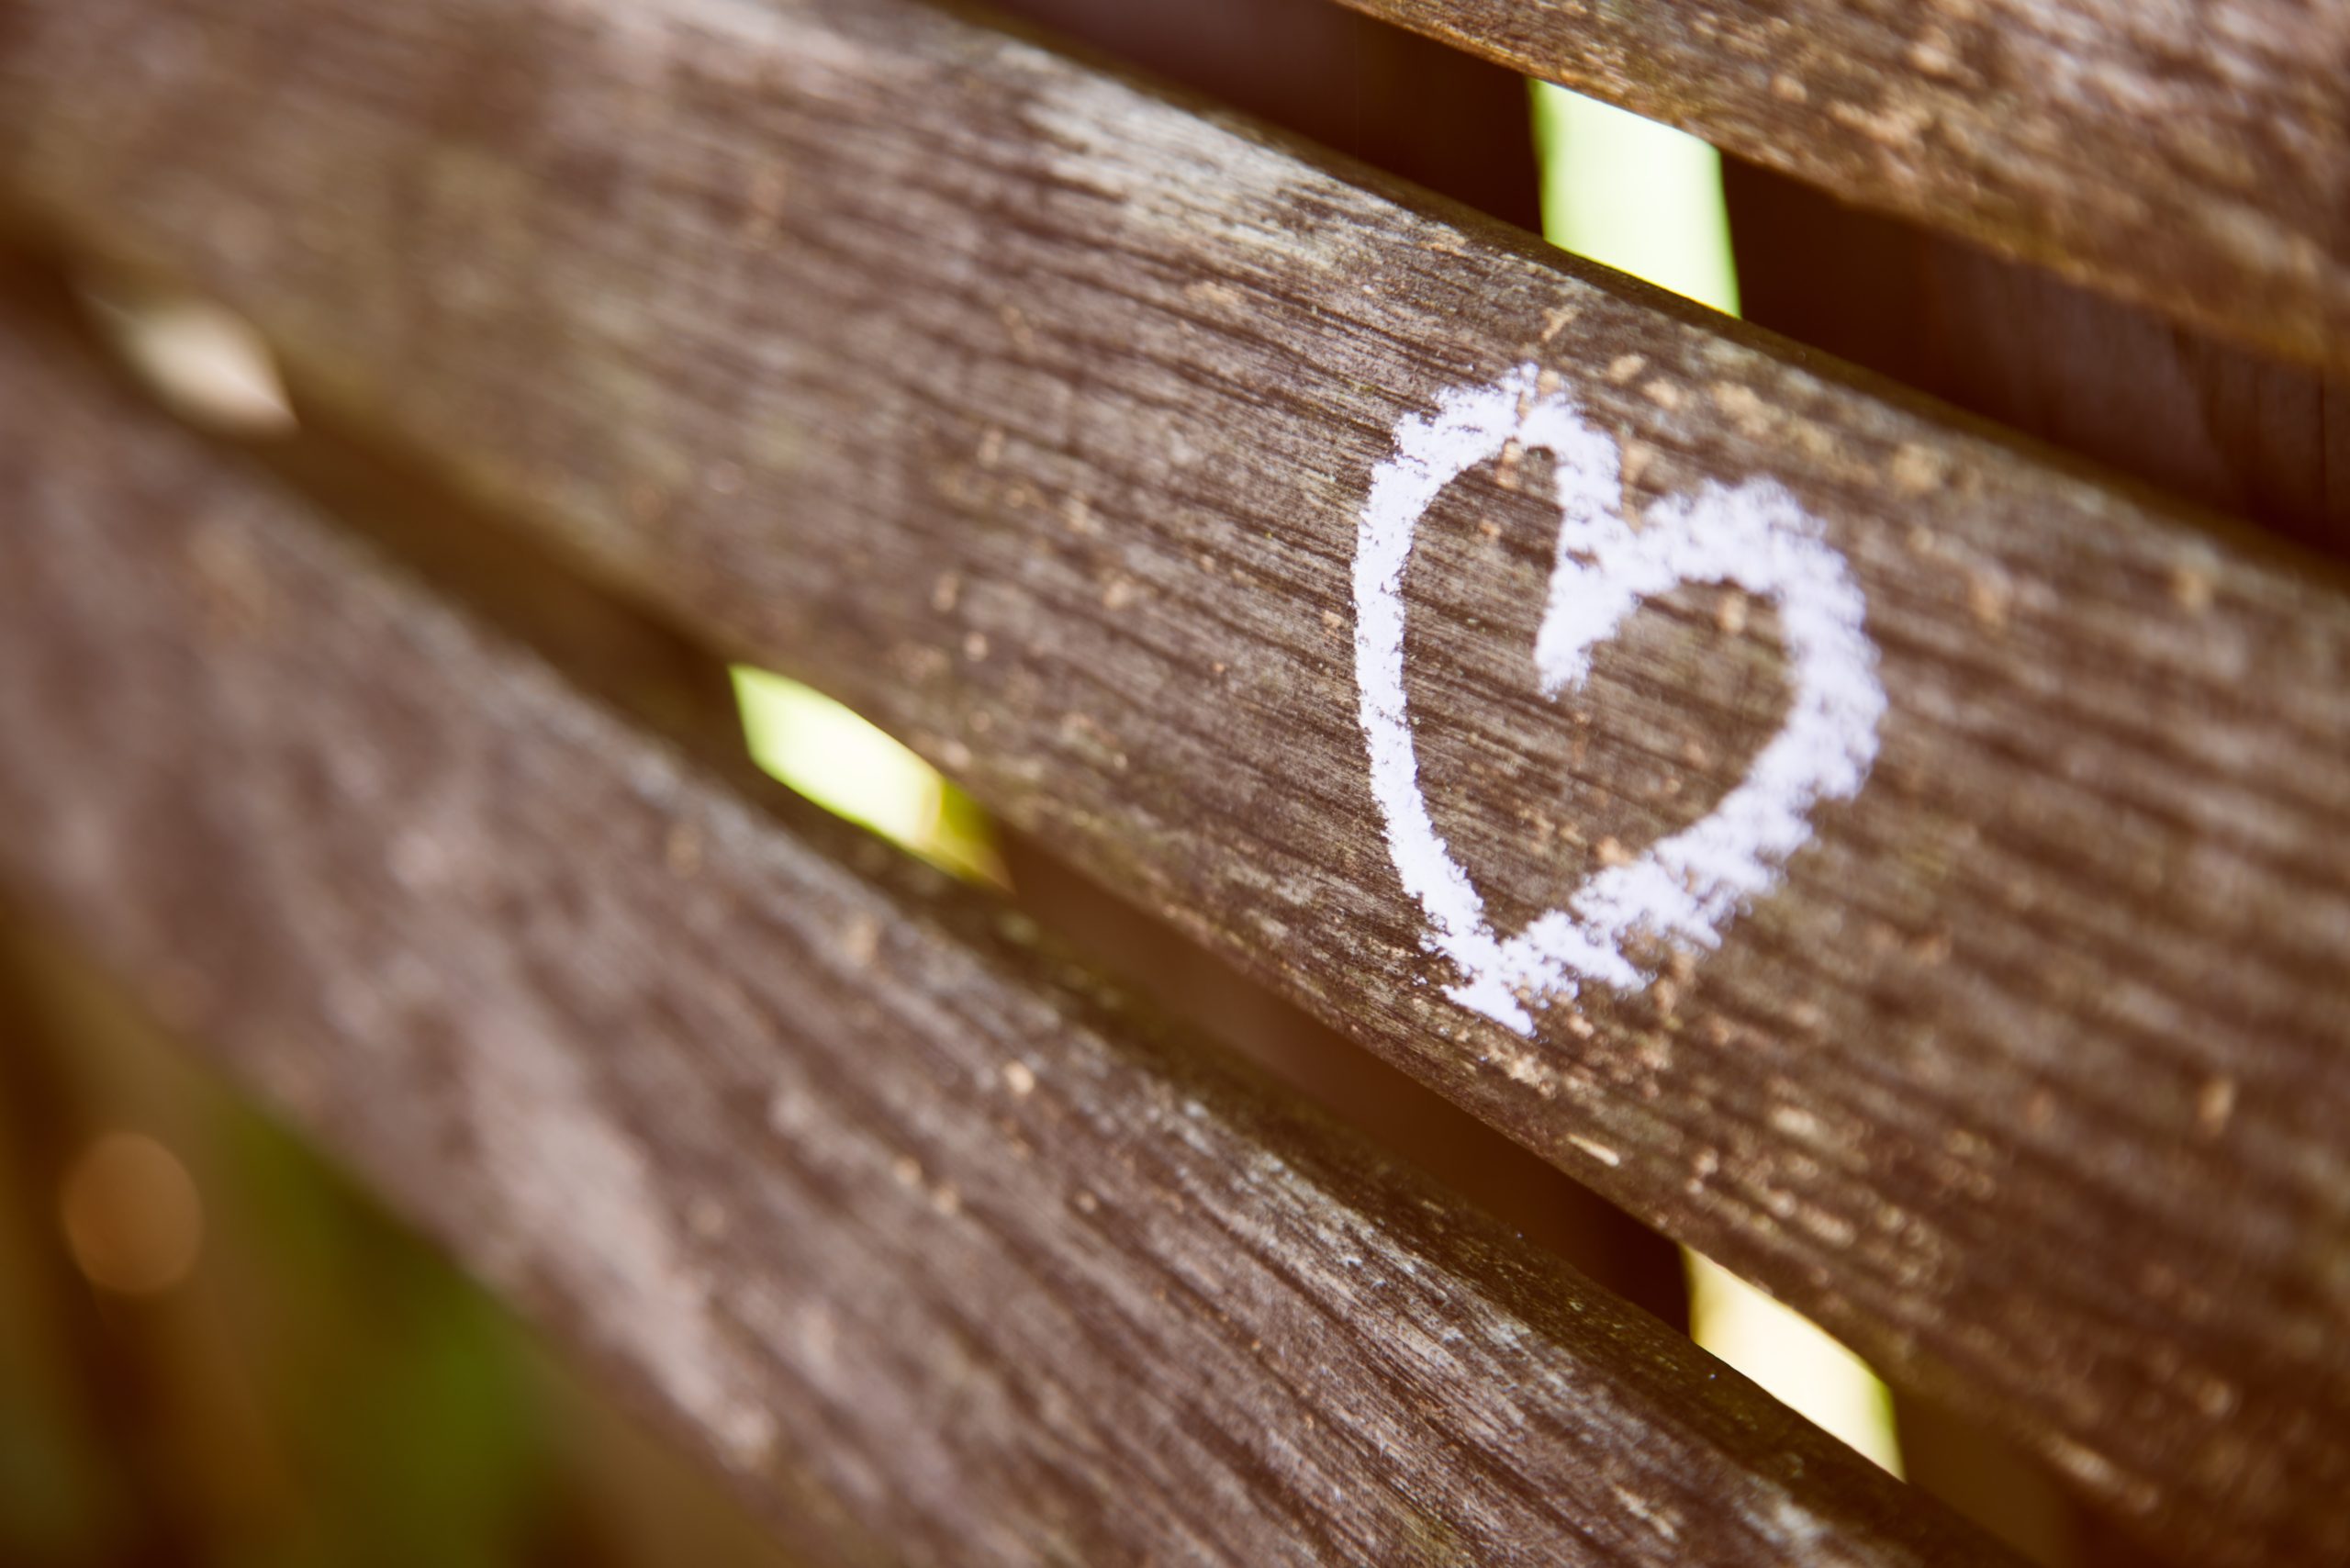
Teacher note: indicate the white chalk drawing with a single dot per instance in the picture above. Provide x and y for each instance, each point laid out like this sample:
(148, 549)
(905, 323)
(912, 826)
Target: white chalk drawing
(1686, 887)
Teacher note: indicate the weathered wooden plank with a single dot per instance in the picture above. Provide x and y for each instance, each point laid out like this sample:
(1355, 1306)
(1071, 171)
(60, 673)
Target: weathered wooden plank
(906, 1223)
(2191, 158)
(1036, 417)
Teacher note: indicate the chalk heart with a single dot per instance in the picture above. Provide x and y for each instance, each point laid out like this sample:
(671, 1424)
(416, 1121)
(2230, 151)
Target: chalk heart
(1687, 888)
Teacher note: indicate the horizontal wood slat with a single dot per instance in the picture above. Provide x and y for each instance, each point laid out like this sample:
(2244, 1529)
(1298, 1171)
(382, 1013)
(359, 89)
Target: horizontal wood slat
(2191, 158)
(1035, 416)
(900, 1219)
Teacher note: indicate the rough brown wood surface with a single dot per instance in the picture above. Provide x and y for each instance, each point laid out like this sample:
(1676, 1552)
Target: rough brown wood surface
(2195, 158)
(1033, 414)
(903, 1221)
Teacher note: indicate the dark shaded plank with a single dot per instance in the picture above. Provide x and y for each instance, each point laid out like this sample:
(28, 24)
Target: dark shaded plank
(2195, 415)
(900, 1219)
(1035, 416)
(1439, 118)
(2195, 159)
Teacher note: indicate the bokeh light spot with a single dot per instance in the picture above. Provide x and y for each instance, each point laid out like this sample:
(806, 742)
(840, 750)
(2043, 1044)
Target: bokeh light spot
(132, 1215)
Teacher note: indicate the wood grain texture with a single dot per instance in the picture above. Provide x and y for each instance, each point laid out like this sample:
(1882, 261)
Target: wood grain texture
(2194, 158)
(1031, 413)
(902, 1220)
